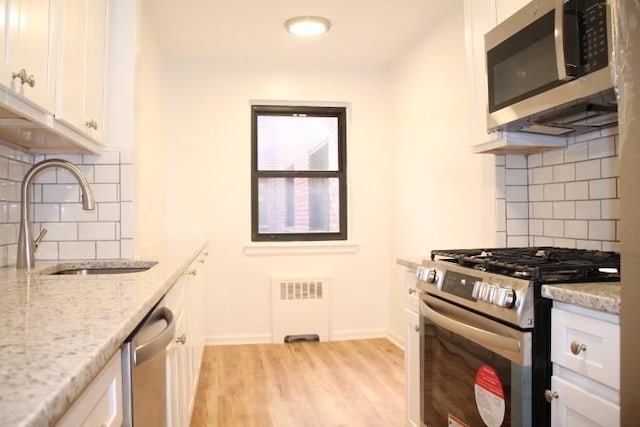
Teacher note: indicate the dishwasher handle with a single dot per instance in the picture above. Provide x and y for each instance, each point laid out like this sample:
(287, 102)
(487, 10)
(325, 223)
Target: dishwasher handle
(157, 344)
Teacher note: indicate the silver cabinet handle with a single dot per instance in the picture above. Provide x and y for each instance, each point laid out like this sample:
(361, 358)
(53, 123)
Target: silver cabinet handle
(577, 347)
(549, 395)
(91, 124)
(24, 77)
(412, 291)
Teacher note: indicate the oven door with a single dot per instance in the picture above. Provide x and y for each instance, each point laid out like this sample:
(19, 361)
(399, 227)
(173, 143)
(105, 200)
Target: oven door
(474, 371)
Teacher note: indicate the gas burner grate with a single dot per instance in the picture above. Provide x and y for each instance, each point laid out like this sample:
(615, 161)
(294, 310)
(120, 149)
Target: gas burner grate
(541, 264)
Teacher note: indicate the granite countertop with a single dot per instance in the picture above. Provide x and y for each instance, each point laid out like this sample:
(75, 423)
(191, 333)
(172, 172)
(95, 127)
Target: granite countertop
(596, 296)
(411, 262)
(58, 332)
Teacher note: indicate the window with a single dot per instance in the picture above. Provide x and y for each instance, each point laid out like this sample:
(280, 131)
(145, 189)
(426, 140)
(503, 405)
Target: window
(298, 165)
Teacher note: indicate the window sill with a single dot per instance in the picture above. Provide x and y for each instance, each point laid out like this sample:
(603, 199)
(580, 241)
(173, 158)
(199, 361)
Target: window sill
(299, 248)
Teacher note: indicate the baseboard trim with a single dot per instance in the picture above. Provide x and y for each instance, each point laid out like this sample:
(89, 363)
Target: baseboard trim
(396, 339)
(266, 339)
(237, 339)
(357, 334)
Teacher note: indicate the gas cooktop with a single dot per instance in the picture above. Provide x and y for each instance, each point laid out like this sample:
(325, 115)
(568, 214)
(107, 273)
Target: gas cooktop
(540, 264)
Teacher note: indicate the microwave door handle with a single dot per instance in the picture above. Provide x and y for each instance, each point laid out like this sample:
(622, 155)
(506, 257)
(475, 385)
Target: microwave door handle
(558, 37)
(477, 335)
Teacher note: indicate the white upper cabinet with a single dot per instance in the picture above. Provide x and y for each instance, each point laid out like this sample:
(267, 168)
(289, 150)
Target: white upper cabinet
(506, 8)
(81, 68)
(28, 56)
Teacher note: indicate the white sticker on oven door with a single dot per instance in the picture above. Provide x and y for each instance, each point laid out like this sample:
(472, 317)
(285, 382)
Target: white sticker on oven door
(489, 396)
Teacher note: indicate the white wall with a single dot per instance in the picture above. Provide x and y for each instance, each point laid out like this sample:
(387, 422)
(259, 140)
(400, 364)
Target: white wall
(150, 152)
(443, 196)
(208, 181)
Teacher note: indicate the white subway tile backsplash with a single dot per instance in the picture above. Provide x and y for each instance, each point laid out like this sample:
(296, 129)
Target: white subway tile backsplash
(17, 170)
(553, 157)
(553, 228)
(516, 161)
(108, 211)
(108, 250)
(8, 234)
(518, 210)
(534, 160)
(126, 220)
(74, 212)
(60, 193)
(603, 188)
(73, 158)
(501, 189)
(577, 190)
(543, 175)
(96, 231)
(4, 212)
(592, 245)
(105, 192)
(47, 176)
(588, 136)
(516, 176)
(564, 210)
(105, 158)
(611, 246)
(126, 248)
(602, 230)
(542, 210)
(517, 193)
(65, 177)
(57, 231)
(126, 183)
(4, 167)
(501, 216)
(576, 229)
(536, 193)
(14, 212)
(46, 212)
(126, 158)
(588, 170)
(542, 241)
(610, 209)
(517, 227)
(107, 173)
(517, 241)
(576, 153)
(553, 192)
(610, 167)
(536, 227)
(564, 173)
(77, 250)
(501, 239)
(588, 209)
(564, 243)
(603, 147)
(9, 191)
(47, 251)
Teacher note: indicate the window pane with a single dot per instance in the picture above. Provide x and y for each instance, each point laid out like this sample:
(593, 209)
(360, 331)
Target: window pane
(298, 205)
(298, 143)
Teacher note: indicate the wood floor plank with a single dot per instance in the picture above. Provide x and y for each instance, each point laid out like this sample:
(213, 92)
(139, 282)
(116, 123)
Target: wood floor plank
(329, 384)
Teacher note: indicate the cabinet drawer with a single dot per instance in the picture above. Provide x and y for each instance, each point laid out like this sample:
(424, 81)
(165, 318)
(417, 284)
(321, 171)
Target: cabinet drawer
(596, 346)
(101, 403)
(576, 407)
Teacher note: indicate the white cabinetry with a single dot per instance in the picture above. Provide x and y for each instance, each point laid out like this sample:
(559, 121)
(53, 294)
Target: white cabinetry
(184, 355)
(585, 351)
(101, 403)
(81, 67)
(28, 42)
(412, 351)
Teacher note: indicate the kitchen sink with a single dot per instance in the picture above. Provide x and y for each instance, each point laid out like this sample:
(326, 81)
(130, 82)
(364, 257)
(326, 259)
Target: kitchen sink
(97, 267)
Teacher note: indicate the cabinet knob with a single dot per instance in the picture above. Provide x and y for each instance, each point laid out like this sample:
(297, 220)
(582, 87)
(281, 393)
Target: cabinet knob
(24, 77)
(193, 272)
(416, 328)
(412, 291)
(91, 124)
(201, 261)
(577, 347)
(182, 339)
(549, 395)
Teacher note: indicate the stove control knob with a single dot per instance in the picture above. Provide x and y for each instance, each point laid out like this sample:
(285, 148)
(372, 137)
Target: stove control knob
(504, 297)
(432, 276)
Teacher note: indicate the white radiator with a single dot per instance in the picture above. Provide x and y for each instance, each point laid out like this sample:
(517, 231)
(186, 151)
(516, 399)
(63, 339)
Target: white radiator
(300, 307)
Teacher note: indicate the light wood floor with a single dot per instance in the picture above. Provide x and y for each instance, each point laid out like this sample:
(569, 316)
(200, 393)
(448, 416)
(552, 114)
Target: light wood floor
(339, 383)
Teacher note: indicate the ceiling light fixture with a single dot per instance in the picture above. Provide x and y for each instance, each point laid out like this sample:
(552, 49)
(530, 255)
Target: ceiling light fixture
(307, 25)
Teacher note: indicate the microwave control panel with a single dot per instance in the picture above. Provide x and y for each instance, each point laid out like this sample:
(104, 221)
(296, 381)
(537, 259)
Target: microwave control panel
(594, 49)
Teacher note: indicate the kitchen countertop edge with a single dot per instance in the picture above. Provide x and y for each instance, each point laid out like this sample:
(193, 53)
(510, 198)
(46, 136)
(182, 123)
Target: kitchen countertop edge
(603, 297)
(50, 401)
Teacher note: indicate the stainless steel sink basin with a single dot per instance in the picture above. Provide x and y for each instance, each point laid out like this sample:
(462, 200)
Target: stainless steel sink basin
(97, 267)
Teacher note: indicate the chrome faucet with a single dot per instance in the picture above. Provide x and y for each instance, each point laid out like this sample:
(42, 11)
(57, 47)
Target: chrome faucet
(26, 245)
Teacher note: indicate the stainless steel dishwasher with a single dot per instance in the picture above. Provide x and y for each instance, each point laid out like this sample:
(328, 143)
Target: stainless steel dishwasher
(144, 369)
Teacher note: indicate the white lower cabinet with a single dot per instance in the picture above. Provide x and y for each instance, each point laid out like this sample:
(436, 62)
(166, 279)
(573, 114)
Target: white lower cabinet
(412, 368)
(184, 354)
(585, 351)
(101, 403)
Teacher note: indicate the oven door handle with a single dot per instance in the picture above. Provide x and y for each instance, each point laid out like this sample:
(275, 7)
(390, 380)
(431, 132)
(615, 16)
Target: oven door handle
(477, 335)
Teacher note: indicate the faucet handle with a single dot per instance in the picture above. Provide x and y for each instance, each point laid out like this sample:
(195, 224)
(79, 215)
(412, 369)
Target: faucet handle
(36, 242)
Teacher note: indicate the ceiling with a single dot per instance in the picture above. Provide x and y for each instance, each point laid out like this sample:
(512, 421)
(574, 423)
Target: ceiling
(363, 32)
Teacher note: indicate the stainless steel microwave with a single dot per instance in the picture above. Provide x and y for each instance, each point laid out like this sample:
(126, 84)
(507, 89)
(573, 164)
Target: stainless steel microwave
(548, 68)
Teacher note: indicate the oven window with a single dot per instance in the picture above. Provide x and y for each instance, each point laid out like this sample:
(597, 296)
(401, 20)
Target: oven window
(464, 384)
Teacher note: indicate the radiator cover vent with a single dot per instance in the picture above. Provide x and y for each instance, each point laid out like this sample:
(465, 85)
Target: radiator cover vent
(300, 307)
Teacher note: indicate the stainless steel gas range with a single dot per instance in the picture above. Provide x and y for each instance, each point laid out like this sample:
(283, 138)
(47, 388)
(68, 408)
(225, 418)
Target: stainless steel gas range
(485, 331)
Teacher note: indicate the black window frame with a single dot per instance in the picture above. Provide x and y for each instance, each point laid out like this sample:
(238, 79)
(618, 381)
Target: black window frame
(341, 174)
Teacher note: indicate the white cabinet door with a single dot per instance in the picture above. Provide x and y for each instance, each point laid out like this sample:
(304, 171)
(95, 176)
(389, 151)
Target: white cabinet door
(576, 407)
(28, 42)
(81, 66)
(412, 368)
